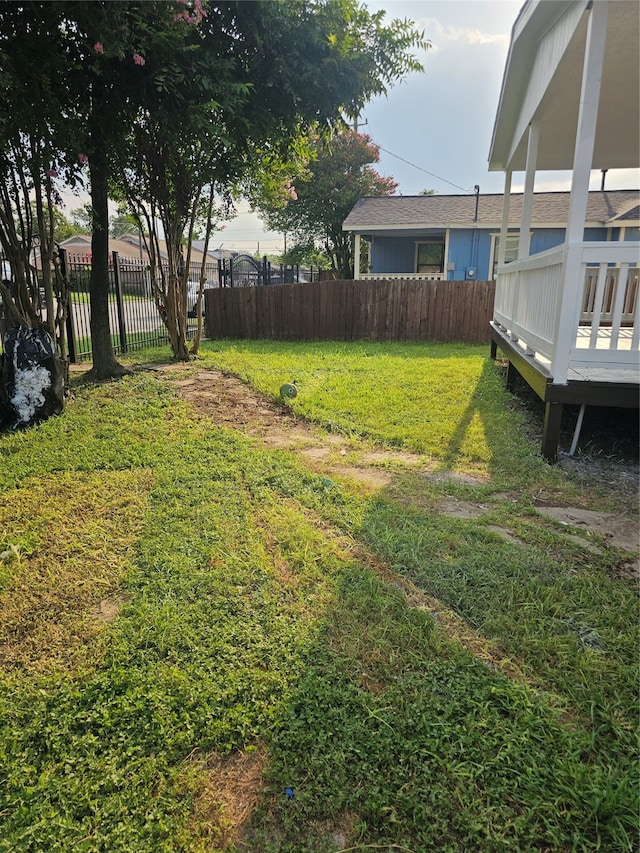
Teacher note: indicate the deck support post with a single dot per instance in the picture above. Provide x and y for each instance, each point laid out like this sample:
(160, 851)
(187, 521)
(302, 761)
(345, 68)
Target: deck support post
(511, 376)
(551, 431)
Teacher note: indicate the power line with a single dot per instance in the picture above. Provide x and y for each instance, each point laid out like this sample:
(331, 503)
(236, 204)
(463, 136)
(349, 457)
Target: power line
(431, 174)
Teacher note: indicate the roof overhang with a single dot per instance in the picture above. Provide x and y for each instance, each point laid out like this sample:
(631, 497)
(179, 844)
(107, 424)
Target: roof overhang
(542, 83)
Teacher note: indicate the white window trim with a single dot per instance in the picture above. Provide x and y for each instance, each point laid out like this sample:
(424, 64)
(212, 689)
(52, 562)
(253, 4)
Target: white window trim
(495, 235)
(445, 253)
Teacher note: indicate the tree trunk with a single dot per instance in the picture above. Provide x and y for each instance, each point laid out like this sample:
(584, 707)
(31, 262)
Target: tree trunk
(105, 365)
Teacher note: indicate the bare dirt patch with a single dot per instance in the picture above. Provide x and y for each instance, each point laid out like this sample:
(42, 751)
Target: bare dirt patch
(226, 400)
(108, 609)
(621, 532)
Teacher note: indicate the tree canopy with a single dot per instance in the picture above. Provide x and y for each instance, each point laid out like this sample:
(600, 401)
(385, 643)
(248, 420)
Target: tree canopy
(318, 199)
(169, 103)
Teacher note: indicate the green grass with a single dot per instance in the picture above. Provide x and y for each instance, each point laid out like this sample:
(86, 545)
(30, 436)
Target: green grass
(254, 620)
(444, 401)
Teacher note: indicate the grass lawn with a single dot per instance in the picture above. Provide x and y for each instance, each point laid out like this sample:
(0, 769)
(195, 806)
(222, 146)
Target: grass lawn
(209, 645)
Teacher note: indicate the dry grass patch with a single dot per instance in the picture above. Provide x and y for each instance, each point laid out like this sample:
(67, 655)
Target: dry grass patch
(227, 800)
(74, 534)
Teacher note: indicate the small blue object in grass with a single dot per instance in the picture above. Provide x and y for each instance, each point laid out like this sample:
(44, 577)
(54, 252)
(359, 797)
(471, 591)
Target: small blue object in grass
(288, 390)
(327, 483)
(289, 792)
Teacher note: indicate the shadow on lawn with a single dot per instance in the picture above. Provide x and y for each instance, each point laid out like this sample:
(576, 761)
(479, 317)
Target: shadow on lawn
(513, 422)
(395, 735)
(489, 409)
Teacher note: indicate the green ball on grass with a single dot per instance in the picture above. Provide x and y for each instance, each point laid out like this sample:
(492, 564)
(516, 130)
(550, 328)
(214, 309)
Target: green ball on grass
(288, 390)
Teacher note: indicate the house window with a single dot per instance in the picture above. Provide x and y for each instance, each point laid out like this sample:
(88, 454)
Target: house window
(430, 255)
(365, 253)
(510, 253)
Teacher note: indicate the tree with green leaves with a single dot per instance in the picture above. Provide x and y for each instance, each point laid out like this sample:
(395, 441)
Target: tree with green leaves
(176, 102)
(275, 75)
(82, 218)
(33, 164)
(313, 207)
(122, 223)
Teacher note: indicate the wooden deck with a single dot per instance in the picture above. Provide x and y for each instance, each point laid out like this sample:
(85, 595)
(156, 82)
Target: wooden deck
(586, 386)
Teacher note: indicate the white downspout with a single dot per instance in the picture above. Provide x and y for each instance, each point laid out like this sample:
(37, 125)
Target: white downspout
(573, 283)
(356, 259)
(525, 220)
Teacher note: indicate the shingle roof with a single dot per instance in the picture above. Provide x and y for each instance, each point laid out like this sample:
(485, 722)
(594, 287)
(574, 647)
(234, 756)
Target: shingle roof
(450, 211)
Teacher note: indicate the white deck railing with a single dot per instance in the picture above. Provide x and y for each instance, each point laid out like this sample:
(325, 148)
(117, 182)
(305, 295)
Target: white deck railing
(574, 306)
(396, 276)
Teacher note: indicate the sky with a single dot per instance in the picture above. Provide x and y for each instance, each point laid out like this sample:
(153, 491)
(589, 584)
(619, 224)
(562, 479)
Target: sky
(439, 121)
(434, 129)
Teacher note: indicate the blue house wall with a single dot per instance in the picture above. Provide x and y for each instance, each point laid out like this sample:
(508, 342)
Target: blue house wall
(469, 248)
(393, 254)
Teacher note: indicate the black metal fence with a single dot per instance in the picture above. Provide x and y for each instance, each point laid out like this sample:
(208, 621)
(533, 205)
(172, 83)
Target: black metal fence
(247, 271)
(134, 319)
(133, 315)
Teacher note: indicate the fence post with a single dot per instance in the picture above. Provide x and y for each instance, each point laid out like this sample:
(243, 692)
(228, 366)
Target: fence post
(70, 323)
(265, 270)
(119, 303)
(230, 279)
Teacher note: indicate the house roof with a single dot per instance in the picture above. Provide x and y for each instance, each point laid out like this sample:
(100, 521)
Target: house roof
(543, 79)
(128, 246)
(417, 213)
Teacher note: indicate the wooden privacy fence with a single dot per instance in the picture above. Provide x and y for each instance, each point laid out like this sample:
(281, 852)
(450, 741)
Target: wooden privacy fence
(400, 310)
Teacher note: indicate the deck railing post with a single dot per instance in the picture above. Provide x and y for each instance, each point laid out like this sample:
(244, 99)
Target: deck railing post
(567, 312)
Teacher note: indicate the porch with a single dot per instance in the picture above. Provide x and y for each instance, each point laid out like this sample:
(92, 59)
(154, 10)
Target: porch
(403, 276)
(574, 338)
(567, 319)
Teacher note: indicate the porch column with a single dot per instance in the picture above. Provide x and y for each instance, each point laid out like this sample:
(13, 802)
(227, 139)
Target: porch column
(587, 121)
(569, 313)
(504, 229)
(356, 257)
(500, 292)
(527, 199)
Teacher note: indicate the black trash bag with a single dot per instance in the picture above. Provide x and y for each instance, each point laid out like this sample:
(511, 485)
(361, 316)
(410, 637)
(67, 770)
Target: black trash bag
(31, 378)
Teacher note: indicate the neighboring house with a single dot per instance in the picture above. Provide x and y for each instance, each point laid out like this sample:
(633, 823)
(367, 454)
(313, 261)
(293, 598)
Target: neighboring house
(133, 265)
(457, 237)
(567, 318)
(132, 247)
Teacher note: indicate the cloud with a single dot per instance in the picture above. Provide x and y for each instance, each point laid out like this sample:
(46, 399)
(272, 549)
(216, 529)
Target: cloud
(435, 31)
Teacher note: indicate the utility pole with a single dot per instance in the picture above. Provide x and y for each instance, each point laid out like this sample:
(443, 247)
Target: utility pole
(355, 123)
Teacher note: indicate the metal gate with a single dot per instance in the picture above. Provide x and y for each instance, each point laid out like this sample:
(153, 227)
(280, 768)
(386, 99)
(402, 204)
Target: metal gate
(246, 271)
